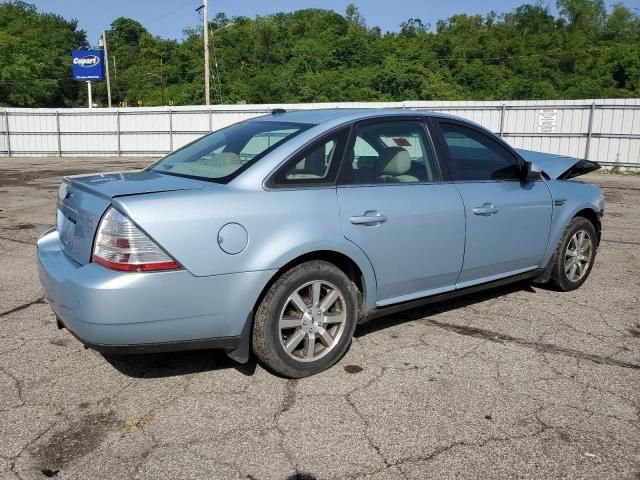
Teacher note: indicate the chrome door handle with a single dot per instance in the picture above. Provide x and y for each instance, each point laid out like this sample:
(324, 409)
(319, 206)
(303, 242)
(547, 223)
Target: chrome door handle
(370, 217)
(486, 210)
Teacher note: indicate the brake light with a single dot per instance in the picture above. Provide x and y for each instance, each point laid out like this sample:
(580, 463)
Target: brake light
(120, 245)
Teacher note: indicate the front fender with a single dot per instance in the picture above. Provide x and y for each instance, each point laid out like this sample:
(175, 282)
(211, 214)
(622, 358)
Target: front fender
(577, 196)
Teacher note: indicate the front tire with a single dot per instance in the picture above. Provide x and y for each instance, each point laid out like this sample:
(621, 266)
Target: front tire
(574, 255)
(305, 321)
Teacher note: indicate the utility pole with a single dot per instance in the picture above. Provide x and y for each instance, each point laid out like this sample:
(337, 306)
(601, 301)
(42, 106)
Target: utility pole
(106, 64)
(205, 15)
(161, 84)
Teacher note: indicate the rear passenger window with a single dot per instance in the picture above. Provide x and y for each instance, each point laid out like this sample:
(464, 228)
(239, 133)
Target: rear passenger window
(318, 164)
(262, 141)
(476, 156)
(391, 152)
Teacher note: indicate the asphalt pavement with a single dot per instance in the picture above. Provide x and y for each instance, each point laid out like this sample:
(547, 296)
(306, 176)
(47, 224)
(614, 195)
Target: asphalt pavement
(518, 382)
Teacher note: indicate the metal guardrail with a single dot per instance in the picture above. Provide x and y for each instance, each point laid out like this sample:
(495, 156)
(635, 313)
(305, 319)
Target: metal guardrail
(171, 132)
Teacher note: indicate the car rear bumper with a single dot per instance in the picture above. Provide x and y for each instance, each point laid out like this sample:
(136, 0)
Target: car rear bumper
(130, 312)
(225, 343)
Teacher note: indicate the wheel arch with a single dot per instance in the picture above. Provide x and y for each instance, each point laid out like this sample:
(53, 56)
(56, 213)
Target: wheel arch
(590, 212)
(594, 217)
(359, 271)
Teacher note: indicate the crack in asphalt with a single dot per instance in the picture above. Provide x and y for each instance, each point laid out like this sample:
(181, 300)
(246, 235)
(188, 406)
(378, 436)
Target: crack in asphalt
(18, 386)
(288, 402)
(289, 396)
(365, 420)
(482, 443)
(23, 306)
(24, 242)
(13, 465)
(620, 241)
(502, 338)
(399, 463)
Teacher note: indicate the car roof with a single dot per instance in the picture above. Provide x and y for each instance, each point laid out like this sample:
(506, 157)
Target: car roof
(320, 116)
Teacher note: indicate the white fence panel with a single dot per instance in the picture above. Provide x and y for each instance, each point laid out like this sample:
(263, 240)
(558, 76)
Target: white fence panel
(190, 121)
(606, 130)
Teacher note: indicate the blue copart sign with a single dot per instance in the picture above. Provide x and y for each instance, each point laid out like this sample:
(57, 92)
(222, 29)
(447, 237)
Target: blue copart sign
(88, 64)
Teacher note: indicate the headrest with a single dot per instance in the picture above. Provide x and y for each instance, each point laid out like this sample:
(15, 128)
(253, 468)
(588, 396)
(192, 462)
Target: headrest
(315, 162)
(393, 161)
(221, 159)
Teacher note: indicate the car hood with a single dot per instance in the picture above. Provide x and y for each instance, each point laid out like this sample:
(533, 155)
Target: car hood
(109, 185)
(559, 166)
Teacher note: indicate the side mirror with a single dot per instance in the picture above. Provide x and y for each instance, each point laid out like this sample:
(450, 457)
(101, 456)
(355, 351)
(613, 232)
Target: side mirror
(531, 173)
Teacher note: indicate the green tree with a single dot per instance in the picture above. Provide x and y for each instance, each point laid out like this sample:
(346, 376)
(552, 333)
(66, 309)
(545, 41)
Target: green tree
(586, 15)
(316, 55)
(35, 57)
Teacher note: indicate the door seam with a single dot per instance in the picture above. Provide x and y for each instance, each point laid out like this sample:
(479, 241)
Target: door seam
(464, 248)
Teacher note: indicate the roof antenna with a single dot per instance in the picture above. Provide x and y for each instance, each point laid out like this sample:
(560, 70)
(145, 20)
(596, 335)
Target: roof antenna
(278, 111)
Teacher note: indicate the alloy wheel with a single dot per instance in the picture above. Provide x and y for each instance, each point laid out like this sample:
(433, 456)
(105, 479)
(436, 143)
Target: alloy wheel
(312, 321)
(578, 255)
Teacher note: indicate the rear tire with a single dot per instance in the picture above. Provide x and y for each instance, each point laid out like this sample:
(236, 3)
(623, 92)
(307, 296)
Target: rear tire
(574, 256)
(306, 320)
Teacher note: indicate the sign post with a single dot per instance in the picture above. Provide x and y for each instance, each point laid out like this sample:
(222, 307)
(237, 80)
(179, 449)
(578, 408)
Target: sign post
(88, 66)
(89, 96)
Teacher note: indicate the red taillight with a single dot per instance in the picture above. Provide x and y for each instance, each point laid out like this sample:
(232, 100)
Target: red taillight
(144, 267)
(120, 245)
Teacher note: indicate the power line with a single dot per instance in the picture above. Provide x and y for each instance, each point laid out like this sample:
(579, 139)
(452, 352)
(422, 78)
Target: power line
(181, 7)
(33, 80)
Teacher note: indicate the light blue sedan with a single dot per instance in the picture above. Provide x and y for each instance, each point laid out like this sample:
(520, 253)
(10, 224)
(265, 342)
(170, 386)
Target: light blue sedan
(279, 234)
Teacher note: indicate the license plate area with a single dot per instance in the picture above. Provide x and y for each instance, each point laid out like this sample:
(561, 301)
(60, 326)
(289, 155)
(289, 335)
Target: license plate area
(66, 229)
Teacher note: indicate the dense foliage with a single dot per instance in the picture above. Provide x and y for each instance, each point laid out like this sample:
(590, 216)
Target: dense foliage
(319, 55)
(35, 57)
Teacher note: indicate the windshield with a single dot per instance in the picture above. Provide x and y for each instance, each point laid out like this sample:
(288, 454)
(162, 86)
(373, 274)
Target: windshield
(223, 154)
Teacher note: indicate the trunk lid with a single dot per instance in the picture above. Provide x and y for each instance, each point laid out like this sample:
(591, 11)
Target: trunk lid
(558, 166)
(83, 199)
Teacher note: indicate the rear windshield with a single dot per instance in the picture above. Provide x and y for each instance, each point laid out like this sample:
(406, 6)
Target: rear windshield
(223, 154)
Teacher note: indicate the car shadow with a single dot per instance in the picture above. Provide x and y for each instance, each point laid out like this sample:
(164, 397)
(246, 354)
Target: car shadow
(162, 365)
(435, 308)
(172, 364)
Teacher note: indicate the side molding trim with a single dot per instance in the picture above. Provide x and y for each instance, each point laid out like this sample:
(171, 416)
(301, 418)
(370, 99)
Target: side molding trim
(399, 307)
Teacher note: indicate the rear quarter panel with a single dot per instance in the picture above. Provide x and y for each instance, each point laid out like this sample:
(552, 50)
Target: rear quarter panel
(281, 225)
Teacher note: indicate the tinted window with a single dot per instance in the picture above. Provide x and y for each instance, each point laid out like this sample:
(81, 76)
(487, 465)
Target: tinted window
(478, 157)
(263, 140)
(317, 164)
(392, 152)
(220, 154)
